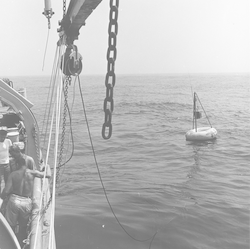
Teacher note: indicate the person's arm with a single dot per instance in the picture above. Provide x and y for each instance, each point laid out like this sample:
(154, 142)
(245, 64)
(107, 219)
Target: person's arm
(48, 170)
(8, 188)
(31, 163)
(40, 174)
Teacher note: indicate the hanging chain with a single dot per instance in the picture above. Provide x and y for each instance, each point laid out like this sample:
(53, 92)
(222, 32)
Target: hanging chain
(67, 83)
(64, 7)
(108, 105)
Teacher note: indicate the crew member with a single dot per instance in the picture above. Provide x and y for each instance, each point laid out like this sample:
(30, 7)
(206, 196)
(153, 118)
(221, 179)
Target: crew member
(20, 188)
(5, 143)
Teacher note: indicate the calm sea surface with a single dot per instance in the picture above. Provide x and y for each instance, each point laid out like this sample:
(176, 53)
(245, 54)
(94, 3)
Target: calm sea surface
(165, 192)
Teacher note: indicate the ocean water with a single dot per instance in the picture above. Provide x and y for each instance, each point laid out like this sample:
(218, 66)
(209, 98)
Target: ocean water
(165, 192)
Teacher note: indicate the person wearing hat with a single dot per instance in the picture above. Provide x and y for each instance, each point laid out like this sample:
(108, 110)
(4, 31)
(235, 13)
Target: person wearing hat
(5, 143)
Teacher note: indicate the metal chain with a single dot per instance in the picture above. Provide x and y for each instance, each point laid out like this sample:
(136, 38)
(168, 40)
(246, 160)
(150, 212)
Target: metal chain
(48, 23)
(108, 105)
(67, 82)
(64, 7)
(47, 205)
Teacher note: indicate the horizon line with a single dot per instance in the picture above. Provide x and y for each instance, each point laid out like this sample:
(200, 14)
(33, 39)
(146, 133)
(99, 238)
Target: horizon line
(125, 74)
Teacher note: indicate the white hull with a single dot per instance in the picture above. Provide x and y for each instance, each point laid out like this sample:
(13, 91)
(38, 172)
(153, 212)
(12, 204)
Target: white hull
(39, 236)
(201, 134)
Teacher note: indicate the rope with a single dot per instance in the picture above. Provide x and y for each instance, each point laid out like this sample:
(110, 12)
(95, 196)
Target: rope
(57, 126)
(46, 115)
(99, 173)
(45, 48)
(57, 89)
(203, 109)
(46, 162)
(56, 112)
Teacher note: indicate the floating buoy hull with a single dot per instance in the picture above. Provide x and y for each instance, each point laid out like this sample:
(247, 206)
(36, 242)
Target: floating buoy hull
(201, 134)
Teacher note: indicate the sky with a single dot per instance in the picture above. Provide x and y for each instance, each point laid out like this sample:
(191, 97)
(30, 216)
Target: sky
(154, 37)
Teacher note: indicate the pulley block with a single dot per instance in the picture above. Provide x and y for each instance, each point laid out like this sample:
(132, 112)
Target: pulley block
(71, 62)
